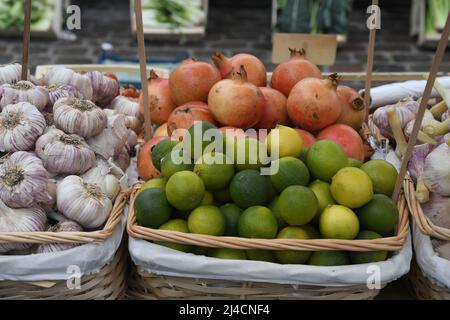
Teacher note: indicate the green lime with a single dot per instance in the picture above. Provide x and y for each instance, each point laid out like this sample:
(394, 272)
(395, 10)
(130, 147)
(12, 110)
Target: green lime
(298, 205)
(379, 215)
(227, 253)
(249, 188)
(383, 176)
(159, 182)
(261, 255)
(248, 154)
(322, 190)
(160, 150)
(274, 206)
(325, 158)
(185, 190)
(371, 256)
(304, 155)
(175, 225)
(329, 258)
(171, 164)
(312, 232)
(152, 208)
(272, 192)
(352, 187)
(222, 196)
(215, 169)
(338, 222)
(292, 256)
(208, 199)
(257, 222)
(354, 163)
(287, 172)
(207, 220)
(202, 136)
(232, 213)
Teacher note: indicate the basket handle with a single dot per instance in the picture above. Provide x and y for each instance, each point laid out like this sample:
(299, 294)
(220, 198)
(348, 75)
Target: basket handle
(26, 39)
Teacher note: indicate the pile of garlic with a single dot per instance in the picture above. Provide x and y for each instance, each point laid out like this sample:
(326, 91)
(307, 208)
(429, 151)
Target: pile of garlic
(66, 142)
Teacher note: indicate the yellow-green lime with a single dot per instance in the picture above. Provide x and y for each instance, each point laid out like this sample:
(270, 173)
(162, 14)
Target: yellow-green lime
(249, 188)
(312, 231)
(352, 187)
(368, 257)
(329, 258)
(232, 213)
(171, 164)
(383, 176)
(324, 159)
(257, 222)
(289, 171)
(292, 256)
(379, 215)
(338, 222)
(159, 182)
(227, 253)
(322, 190)
(160, 150)
(354, 163)
(284, 142)
(185, 190)
(275, 207)
(272, 192)
(249, 154)
(215, 170)
(304, 154)
(207, 220)
(261, 255)
(179, 225)
(208, 199)
(298, 205)
(152, 208)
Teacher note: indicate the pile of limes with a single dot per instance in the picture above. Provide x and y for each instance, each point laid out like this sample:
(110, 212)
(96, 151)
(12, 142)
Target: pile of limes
(325, 195)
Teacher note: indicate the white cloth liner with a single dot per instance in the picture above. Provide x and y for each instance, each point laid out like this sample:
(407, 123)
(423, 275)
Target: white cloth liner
(434, 267)
(90, 258)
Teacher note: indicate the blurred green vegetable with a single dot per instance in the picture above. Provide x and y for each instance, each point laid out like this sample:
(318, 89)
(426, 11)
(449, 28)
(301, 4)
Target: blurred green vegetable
(12, 14)
(173, 13)
(436, 17)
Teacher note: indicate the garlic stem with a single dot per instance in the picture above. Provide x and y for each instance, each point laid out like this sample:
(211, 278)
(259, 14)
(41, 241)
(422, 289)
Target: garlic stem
(394, 123)
(422, 192)
(438, 128)
(438, 110)
(443, 92)
(422, 137)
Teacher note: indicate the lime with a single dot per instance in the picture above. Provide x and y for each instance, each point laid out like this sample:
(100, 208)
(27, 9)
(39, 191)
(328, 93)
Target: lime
(352, 187)
(323, 194)
(284, 142)
(312, 232)
(185, 190)
(324, 159)
(207, 220)
(215, 170)
(354, 163)
(272, 192)
(261, 255)
(329, 258)
(160, 150)
(232, 213)
(171, 165)
(248, 154)
(202, 136)
(248, 188)
(274, 206)
(383, 176)
(227, 253)
(289, 172)
(304, 155)
(298, 205)
(379, 215)
(151, 208)
(338, 222)
(368, 257)
(208, 199)
(159, 182)
(257, 222)
(175, 225)
(292, 256)
(223, 196)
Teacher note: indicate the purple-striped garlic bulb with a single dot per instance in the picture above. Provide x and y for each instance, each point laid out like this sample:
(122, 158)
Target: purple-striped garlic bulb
(415, 168)
(437, 209)
(24, 91)
(61, 75)
(62, 226)
(436, 171)
(10, 73)
(104, 88)
(56, 92)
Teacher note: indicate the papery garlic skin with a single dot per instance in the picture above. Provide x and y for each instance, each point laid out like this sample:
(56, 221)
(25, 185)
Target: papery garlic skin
(446, 115)
(112, 139)
(63, 226)
(63, 153)
(437, 209)
(24, 91)
(101, 175)
(77, 116)
(10, 73)
(132, 140)
(20, 126)
(125, 105)
(122, 159)
(83, 202)
(61, 75)
(105, 89)
(436, 171)
(415, 168)
(31, 219)
(56, 92)
(23, 181)
(49, 205)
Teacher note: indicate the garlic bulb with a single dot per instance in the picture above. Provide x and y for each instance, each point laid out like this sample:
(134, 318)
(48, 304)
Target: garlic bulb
(83, 202)
(49, 205)
(112, 139)
(24, 91)
(132, 139)
(415, 167)
(131, 122)
(10, 73)
(31, 219)
(438, 210)
(126, 105)
(446, 115)
(61, 75)
(436, 172)
(105, 88)
(444, 250)
(20, 126)
(23, 181)
(81, 117)
(62, 226)
(56, 92)
(122, 159)
(422, 137)
(64, 153)
(101, 175)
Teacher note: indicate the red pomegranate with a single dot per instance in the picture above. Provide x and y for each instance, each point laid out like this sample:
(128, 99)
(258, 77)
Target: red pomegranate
(277, 102)
(347, 137)
(184, 116)
(354, 111)
(145, 166)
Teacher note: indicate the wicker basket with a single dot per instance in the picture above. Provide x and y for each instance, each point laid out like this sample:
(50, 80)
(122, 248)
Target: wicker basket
(422, 221)
(424, 288)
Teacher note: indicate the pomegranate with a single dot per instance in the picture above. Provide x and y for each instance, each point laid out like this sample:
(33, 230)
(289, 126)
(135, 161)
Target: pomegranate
(145, 166)
(314, 103)
(268, 118)
(354, 111)
(237, 133)
(192, 80)
(184, 116)
(159, 100)
(287, 74)
(161, 131)
(307, 138)
(236, 102)
(256, 71)
(276, 101)
(347, 137)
